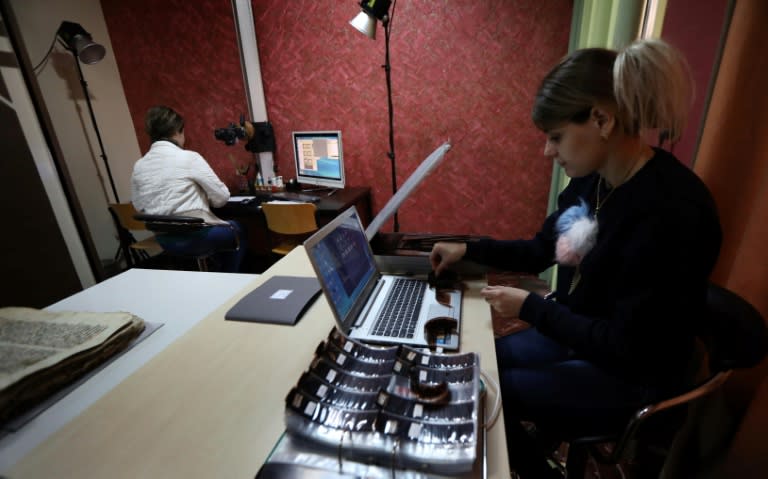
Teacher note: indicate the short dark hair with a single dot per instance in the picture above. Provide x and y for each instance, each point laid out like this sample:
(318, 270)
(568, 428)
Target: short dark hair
(162, 122)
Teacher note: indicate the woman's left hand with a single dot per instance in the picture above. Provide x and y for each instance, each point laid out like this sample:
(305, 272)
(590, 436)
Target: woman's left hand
(504, 299)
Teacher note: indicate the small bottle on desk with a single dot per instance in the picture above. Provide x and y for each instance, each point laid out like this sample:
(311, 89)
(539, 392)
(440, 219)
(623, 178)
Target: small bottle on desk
(259, 183)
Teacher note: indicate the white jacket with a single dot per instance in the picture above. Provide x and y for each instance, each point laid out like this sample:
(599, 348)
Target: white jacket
(169, 180)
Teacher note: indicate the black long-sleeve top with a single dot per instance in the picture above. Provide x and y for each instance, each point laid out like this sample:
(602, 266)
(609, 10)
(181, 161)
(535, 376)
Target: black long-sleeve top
(643, 285)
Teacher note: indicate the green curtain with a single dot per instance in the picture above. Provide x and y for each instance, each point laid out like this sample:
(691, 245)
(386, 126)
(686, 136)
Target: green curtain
(595, 23)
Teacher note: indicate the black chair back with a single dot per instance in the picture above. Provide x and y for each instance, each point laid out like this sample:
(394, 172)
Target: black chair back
(171, 223)
(735, 336)
(734, 331)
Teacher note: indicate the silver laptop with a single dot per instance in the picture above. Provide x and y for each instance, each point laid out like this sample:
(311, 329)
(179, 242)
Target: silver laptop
(376, 308)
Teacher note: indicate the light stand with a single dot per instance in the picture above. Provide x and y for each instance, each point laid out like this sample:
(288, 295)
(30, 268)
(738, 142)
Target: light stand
(391, 152)
(78, 42)
(365, 22)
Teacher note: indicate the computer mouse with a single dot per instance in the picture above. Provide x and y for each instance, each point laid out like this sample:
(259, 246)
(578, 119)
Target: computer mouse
(446, 280)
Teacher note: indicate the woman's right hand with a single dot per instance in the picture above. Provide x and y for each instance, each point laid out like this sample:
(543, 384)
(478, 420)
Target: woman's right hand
(444, 254)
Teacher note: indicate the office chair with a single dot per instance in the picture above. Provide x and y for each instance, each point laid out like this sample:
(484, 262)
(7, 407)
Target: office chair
(293, 221)
(135, 252)
(182, 236)
(734, 336)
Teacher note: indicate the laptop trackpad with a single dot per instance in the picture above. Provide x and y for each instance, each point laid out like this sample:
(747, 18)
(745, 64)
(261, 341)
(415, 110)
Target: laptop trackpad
(441, 311)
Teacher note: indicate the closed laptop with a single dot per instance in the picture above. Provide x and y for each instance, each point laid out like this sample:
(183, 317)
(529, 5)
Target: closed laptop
(279, 300)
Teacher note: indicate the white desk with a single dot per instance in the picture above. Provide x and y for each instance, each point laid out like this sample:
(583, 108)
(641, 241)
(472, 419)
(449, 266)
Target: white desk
(178, 299)
(211, 403)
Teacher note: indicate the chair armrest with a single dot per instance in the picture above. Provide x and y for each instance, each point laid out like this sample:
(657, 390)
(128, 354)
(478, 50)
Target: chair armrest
(167, 218)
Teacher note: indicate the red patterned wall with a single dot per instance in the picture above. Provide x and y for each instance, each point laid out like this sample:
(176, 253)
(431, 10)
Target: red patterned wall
(184, 55)
(463, 71)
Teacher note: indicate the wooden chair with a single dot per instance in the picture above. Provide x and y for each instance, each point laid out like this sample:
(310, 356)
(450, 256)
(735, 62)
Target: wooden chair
(134, 251)
(294, 222)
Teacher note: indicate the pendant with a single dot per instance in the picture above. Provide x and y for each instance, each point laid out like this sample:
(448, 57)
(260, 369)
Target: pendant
(575, 280)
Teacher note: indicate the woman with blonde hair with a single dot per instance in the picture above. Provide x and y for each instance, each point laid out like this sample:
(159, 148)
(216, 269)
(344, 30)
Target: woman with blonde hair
(636, 235)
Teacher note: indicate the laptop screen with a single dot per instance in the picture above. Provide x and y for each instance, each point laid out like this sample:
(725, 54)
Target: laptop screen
(344, 261)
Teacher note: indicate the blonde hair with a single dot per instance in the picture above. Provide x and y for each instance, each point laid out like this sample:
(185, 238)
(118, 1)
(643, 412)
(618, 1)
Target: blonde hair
(653, 88)
(648, 83)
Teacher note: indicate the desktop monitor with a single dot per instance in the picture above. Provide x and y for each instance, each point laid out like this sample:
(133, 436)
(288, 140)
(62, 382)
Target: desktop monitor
(318, 158)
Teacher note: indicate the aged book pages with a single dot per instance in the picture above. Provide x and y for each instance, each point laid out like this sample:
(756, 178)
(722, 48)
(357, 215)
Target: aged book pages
(41, 350)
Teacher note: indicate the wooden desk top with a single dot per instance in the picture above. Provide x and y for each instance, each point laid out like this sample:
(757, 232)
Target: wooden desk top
(334, 203)
(211, 404)
(153, 295)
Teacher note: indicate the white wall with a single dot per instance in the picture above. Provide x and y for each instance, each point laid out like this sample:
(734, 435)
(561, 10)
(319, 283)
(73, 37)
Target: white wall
(19, 100)
(63, 96)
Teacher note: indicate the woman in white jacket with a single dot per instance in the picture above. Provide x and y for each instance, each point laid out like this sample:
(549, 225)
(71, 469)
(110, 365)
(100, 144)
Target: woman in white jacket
(170, 180)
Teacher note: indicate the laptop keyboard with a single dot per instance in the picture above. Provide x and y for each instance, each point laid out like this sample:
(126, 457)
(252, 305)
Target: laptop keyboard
(400, 313)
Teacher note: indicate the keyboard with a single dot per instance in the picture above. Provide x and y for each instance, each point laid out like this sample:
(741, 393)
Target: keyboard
(265, 196)
(400, 313)
(294, 196)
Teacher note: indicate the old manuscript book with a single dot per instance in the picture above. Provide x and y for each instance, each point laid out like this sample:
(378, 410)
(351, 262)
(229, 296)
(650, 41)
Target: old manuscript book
(41, 351)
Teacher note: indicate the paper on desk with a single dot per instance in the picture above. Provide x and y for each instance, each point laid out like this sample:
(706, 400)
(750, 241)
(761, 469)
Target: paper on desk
(32, 340)
(42, 350)
(240, 199)
(20, 420)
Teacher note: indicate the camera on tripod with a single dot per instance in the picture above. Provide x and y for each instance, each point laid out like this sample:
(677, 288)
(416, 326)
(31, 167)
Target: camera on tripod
(260, 136)
(230, 134)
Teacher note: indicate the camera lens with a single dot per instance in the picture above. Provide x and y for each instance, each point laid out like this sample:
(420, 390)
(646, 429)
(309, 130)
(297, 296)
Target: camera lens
(229, 135)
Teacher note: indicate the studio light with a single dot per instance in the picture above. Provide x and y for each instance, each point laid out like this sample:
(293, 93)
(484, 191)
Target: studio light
(365, 22)
(76, 39)
(79, 42)
(372, 10)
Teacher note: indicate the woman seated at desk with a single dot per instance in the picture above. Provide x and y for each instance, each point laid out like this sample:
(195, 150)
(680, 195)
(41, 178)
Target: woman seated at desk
(636, 235)
(170, 180)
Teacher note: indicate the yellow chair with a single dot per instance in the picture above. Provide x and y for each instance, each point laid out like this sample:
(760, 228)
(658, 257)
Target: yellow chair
(294, 222)
(133, 250)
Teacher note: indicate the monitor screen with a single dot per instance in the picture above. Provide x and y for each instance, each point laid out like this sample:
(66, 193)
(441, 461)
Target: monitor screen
(318, 158)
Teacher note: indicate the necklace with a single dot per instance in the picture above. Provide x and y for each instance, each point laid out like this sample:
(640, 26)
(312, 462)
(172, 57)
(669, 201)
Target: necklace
(599, 204)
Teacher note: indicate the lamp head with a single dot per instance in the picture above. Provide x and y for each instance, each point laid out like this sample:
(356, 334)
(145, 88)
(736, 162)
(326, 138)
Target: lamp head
(76, 39)
(372, 10)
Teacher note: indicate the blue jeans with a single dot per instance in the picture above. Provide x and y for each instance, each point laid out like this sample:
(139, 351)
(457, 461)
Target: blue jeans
(542, 382)
(221, 238)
